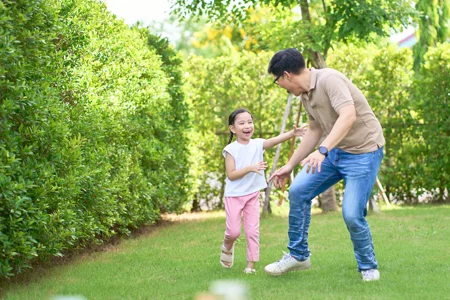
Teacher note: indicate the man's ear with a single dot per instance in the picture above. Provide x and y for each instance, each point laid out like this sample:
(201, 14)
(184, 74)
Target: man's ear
(287, 75)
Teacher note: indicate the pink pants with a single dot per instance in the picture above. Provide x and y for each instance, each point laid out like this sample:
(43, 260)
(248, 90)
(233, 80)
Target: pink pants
(249, 206)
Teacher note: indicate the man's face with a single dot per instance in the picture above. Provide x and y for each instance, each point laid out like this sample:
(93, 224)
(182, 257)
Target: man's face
(285, 81)
(281, 81)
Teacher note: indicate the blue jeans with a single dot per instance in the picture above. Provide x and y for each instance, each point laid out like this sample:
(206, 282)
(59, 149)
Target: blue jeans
(359, 172)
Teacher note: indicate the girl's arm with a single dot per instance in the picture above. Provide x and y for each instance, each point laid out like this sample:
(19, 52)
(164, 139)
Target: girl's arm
(284, 137)
(233, 174)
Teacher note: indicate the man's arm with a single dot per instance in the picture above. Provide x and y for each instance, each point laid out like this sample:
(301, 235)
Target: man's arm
(347, 116)
(308, 144)
(345, 121)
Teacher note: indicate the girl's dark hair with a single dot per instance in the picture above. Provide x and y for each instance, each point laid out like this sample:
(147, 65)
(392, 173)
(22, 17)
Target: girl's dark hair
(232, 118)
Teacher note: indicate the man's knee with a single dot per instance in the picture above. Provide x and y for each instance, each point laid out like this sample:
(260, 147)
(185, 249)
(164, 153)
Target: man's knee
(353, 222)
(297, 194)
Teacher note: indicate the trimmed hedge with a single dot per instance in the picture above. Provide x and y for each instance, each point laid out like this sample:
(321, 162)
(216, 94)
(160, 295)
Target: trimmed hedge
(214, 88)
(414, 112)
(90, 129)
(413, 109)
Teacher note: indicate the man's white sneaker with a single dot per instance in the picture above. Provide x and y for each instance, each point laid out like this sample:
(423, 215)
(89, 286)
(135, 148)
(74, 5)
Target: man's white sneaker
(286, 264)
(370, 275)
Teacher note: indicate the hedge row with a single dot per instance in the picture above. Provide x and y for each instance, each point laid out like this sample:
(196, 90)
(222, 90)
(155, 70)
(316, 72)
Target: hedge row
(413, 109)
(92, 130)
(215, 87)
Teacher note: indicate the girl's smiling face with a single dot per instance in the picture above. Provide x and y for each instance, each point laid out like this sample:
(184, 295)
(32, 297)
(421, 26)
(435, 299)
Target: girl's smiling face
(243, 127)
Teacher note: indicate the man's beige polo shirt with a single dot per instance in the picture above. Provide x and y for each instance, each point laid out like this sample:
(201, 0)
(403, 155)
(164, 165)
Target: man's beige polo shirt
(329, 91)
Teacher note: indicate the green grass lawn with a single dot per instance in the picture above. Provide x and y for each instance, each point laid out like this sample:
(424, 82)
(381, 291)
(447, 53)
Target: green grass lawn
(180, 260)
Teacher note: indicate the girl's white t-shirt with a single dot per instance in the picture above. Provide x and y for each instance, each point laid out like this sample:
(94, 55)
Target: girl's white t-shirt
(245, 155)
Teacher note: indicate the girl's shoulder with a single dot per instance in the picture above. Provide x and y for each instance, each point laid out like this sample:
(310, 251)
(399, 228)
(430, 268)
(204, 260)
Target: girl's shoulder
(258, 142)
(231, 145)
(230, 148)
(236, 145)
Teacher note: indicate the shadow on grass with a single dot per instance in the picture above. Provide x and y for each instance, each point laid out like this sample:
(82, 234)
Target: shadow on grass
(42, 268)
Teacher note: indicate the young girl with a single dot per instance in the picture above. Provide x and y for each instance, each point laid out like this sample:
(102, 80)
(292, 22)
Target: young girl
(245, 178)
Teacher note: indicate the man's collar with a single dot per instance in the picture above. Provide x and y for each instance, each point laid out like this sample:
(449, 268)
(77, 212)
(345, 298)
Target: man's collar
(312, 79)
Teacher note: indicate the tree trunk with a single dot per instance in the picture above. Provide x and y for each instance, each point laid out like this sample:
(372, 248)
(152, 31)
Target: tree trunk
(266, 207)
(195, 205)
(373, 206)
(291, 152)
(221, 204)
(317, 60)
(328, 200)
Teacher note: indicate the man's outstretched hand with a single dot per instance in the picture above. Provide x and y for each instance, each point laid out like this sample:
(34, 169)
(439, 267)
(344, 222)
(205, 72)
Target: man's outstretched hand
(280, 175)
(314, 161)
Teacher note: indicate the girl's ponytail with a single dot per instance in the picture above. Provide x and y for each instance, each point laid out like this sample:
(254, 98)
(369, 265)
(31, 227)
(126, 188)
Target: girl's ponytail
(231, 137)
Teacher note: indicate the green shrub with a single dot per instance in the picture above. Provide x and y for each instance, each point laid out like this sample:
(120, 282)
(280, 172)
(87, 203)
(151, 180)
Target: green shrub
(178, 119)
(432, 104)
(214, 88)
(389, 92)
(413, 111)
(90, 130)
(31, 121)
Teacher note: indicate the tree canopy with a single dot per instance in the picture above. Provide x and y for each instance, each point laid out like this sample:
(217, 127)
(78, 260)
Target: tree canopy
(321, 22)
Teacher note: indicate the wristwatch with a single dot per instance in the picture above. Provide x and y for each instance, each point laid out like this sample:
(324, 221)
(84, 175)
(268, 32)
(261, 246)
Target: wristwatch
(323, 150)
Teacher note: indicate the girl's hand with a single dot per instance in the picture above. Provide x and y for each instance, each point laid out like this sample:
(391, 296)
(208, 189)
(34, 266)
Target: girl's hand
(300, 131)
(262, 165)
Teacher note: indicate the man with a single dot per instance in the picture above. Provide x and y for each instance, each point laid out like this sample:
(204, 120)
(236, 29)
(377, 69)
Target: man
(352, 150)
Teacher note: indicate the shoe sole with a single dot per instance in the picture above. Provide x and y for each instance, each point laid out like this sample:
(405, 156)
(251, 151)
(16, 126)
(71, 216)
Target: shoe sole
(290, 270)
(368, 280)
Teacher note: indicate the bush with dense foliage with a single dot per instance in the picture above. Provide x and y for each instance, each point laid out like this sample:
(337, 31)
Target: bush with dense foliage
(412, 110)
(432, 104)
(92, 132)
(214, 88)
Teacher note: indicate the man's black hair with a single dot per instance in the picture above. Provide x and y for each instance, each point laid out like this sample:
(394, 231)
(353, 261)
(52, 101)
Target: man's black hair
(290, 60)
